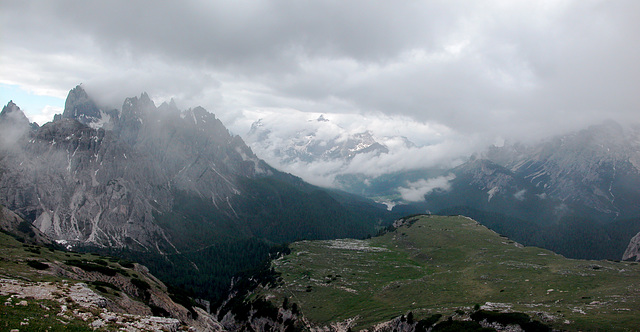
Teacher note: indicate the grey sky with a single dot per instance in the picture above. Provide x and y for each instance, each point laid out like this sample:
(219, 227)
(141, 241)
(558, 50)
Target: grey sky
(515, 69)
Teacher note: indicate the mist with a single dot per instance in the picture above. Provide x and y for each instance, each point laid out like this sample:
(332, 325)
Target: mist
(448, 75)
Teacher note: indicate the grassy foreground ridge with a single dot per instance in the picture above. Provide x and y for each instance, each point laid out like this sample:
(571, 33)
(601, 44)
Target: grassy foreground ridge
(439, 265)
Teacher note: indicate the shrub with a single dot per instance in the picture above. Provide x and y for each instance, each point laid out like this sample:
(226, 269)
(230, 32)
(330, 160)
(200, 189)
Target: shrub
(158, 311)
(424, 324)
(38, 265)
(25, 227)
(127, 264)
(105, 284)
(143, 285)
(92, 267)
(101, 262)
(101, 289)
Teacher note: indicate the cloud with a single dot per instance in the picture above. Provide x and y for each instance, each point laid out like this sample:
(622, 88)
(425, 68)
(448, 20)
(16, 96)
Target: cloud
(416, 191)
(520, 195)
(289, 140)
(46, 114)
(514, 69)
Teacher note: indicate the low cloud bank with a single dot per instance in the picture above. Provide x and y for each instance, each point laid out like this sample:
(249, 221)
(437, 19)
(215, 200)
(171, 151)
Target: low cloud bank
(305, 144)
(415, 191)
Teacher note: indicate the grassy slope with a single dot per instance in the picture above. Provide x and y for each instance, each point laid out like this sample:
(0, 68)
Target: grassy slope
(14, 258)
(440, 264)
(13, 265)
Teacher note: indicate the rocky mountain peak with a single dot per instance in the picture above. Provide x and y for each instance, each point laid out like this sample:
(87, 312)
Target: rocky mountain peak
(169, 107)
(134, 108)
(81, 107)
(14, 125)
(102, 177)
(13, 115)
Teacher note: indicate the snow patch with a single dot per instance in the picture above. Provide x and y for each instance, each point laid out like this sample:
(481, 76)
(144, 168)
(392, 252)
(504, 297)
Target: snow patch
(356, 245)
(100, 122)
(492, 192)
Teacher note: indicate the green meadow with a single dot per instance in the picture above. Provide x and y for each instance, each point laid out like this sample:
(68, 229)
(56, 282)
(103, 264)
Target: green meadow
(453, 266)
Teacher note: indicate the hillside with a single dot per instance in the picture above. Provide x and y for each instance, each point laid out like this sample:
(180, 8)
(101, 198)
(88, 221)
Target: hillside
(42, 288)
(451, 266)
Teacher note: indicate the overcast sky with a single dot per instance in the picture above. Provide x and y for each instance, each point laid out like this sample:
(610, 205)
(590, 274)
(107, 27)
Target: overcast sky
(497, 69)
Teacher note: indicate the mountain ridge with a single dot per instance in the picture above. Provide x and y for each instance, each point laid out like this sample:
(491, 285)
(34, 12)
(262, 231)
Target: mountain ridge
(117, 171)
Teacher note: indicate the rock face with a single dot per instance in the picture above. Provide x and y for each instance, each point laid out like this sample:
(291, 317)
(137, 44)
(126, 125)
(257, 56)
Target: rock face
(633, 250)
(12, 223)
(88, 185)
(80, 107)
(14, 126)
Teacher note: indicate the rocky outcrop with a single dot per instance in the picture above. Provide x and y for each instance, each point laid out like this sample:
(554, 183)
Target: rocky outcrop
(92, 290)
(76, 301)
(14, 126)
(633, 250)
(12, 223)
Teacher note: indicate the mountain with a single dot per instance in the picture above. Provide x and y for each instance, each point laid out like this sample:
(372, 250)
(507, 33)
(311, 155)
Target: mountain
(434, 272)
(598, 167)
(591, 173)
(161, 183)
(576, 194)
(325, 152)
(317, 140)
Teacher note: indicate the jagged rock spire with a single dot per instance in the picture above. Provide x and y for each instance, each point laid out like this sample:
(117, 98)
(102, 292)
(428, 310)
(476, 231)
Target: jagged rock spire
(13, 115)
(80, 106)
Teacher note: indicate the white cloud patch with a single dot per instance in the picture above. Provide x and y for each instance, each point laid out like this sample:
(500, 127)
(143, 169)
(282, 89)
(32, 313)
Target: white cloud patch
(46, 114)
(288, 142)
(520, 195)
(416, 191)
